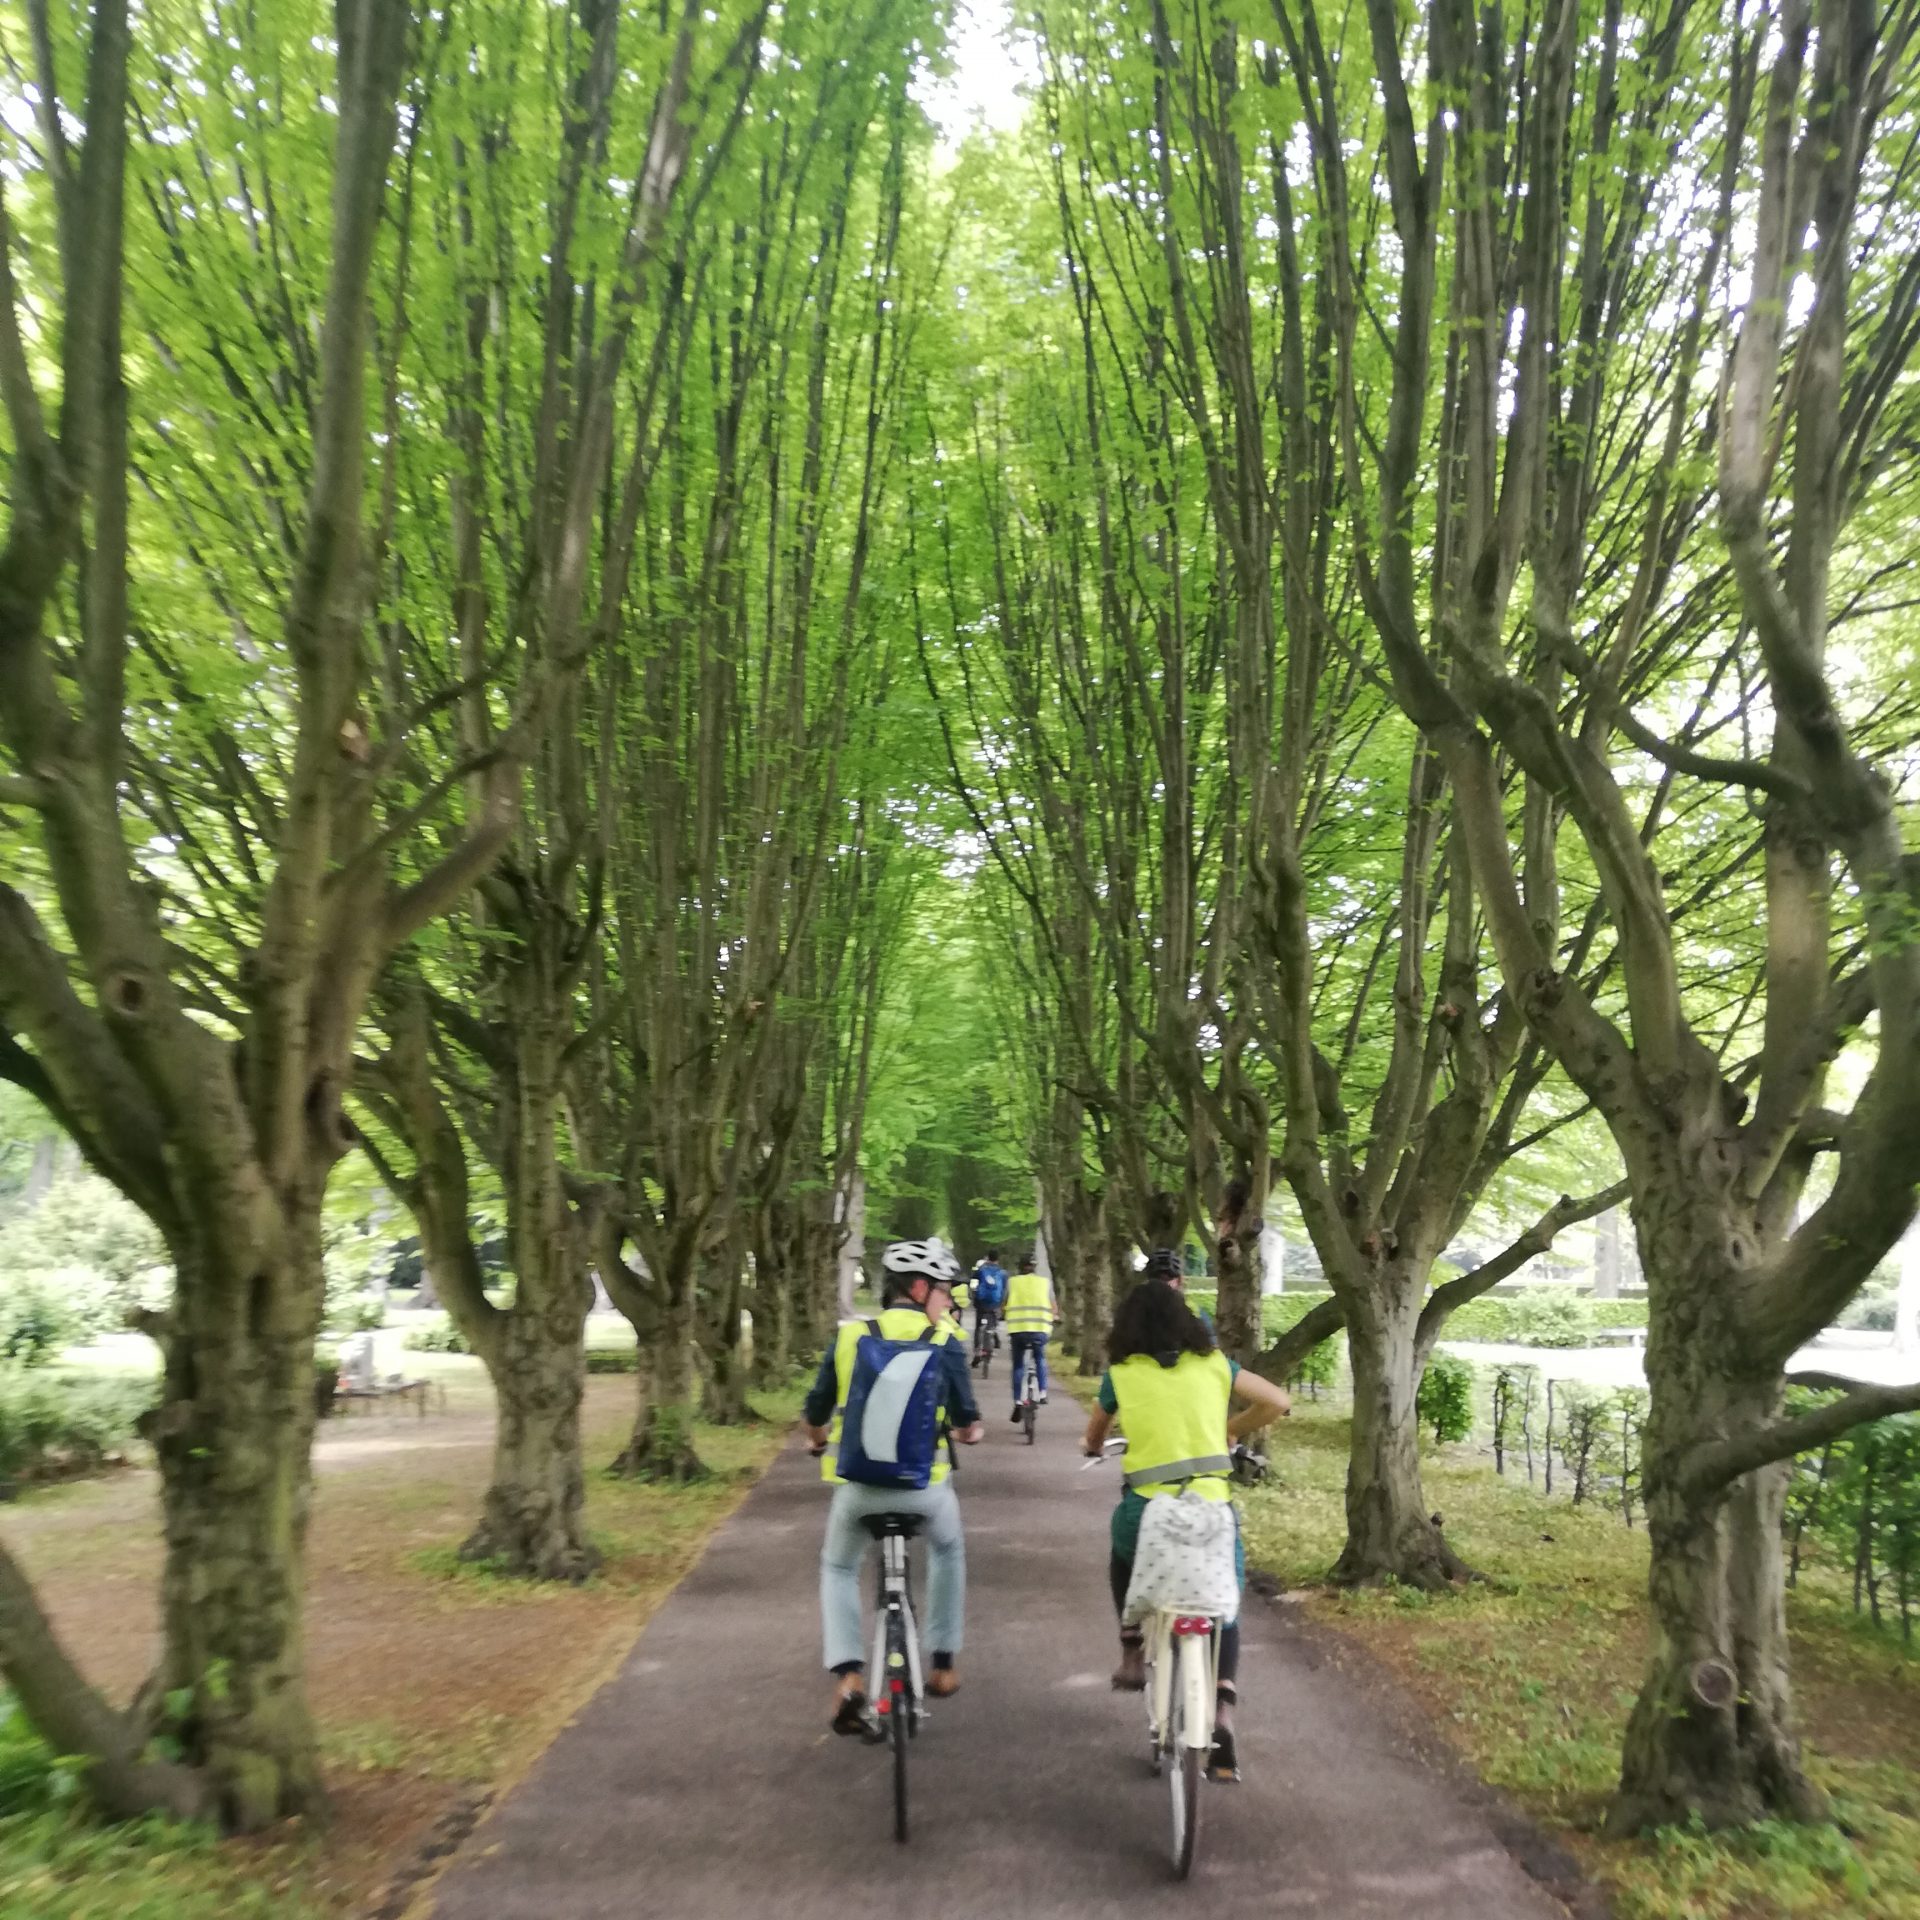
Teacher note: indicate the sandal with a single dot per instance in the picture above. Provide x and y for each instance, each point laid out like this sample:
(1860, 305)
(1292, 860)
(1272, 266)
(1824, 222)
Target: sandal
(1223, 1763)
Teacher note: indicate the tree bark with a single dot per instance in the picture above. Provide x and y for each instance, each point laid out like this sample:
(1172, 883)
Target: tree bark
(1712, 1732)
(231, 1438)
(1390, 1530)
(661, 1447)
(532, 1520)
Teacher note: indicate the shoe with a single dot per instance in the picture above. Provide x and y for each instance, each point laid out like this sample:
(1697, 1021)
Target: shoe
(1223, 1763)
(1043, 1399)
(1016, 1415)
(943, 1683)
(1130, 1676)
(851, 1716)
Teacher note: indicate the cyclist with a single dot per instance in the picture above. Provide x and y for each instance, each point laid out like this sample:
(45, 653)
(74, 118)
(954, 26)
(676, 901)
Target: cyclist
(917, 1287)
(1030, 1314)
(1170, 1387)
(989, 1294)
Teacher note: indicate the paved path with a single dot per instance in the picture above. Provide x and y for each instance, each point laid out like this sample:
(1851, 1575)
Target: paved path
(701, 1783)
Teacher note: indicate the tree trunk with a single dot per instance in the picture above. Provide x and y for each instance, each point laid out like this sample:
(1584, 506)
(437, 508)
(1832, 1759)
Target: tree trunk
(532, 1521)
(1236, 1314)
(1606, 1255)
(662, 1444)
(1094, 1256)
(777, 1282)
(1390, 1532)
(1712, 1733)
(40, 1173)
(232, 1437)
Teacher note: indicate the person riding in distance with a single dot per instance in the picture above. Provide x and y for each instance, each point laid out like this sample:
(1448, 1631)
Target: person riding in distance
(1171, 1388)
(1030, 1313)
(917, 1287)
(989, 1285)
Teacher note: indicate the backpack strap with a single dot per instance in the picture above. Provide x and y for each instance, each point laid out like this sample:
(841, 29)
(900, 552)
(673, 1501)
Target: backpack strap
(873, 1327)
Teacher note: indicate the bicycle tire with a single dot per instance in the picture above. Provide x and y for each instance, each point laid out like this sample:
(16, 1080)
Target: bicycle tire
(1029, 1418)
(1184, 1773)
(900, 1730)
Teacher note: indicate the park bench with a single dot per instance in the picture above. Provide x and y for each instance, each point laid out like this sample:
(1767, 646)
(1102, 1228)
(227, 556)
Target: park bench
(360, 1385)
(1621, 1336)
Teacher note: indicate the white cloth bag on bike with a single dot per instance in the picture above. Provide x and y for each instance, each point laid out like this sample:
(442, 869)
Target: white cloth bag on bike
(1184, 1559)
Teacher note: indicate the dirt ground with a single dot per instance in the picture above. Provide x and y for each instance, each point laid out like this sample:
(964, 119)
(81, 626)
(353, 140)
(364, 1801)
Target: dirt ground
(432, 1685)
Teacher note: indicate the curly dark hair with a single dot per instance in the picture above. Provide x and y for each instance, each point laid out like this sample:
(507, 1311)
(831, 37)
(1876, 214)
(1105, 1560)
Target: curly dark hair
(1155, 1319)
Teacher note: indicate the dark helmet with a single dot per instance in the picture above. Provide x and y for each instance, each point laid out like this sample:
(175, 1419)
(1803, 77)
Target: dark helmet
(1163, 1263)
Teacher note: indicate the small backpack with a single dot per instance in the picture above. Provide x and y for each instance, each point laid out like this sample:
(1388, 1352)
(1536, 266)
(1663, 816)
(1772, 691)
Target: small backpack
(890, 1432)
(990, 1287)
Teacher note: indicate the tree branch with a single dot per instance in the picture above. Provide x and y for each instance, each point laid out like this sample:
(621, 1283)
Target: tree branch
(1565, 1212)
(1713, 1466)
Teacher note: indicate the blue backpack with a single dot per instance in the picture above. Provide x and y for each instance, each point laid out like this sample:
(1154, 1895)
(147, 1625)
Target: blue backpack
(990, 1286)
(890, 1432)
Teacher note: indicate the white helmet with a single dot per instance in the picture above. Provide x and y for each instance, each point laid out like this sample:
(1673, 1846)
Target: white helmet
(927, 1258)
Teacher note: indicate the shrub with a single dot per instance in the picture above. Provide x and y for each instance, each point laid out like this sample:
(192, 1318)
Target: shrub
(1541, 1317)
(53, 1425)
(326, 1382)
(1516, 1395)
(613, 1359)
(1445, 1400)
(1859, 1499)
(442, 1337)
(37, 1323)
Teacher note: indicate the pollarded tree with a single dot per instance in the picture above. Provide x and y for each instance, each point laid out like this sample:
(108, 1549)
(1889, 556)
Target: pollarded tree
(544, 443)
(1192, 729)
(1571, 406)
(751, 629)
(222, 1129)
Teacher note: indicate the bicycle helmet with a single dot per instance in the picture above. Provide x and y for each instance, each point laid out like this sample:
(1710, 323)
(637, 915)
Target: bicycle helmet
(928, 1259)
(1163, 1263)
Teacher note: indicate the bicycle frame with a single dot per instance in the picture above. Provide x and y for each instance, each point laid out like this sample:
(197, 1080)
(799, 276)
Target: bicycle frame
(895, 1682)
(1183, 1656)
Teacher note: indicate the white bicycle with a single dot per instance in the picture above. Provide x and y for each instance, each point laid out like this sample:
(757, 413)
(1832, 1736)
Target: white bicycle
(1183, 1672)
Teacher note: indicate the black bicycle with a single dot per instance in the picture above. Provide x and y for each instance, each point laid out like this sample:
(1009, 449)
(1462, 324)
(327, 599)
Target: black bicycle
(896, 1684)
(1029, 1400)
(986, 1338)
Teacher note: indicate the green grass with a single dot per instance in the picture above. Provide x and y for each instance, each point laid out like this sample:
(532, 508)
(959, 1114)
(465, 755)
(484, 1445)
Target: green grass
(1532, 1671)
(58, 1863)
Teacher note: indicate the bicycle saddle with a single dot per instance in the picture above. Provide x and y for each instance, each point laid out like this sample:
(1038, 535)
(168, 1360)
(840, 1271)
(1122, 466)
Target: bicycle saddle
(906, 1525)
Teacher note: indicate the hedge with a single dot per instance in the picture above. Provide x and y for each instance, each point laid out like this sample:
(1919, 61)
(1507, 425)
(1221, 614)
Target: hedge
(1534, 1317)
(56, 1425)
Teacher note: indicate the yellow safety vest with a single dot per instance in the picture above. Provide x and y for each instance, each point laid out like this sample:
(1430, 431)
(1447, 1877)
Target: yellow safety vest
(961, 1295)
(1176, 1423)
(1029, 1304)
(896, 1323)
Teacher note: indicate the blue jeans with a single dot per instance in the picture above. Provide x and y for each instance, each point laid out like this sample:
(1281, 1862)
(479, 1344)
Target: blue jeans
(1024, 1344)
(845, 1549)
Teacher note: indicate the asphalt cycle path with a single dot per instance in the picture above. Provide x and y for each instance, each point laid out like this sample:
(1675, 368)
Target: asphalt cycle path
(702, 1782)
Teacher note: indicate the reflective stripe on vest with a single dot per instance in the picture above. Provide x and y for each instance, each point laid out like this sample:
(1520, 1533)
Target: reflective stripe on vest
(895, 1323)
(1175, 1420)
(1029, 1304)
(1179, 1470)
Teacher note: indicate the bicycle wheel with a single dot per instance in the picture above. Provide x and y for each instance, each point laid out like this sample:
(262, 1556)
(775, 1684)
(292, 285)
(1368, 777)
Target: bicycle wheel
(1187, 1763)
(899, 1723)
(1029, 1412)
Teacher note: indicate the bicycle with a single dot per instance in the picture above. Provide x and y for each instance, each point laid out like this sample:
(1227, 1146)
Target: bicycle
(1029, 1401)
(986, 1338)
(1182, 1648)
(896, 1683)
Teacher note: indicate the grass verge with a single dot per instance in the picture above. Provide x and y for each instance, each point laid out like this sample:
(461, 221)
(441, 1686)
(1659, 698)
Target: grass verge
(1530, 1674)
(433, 1683)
